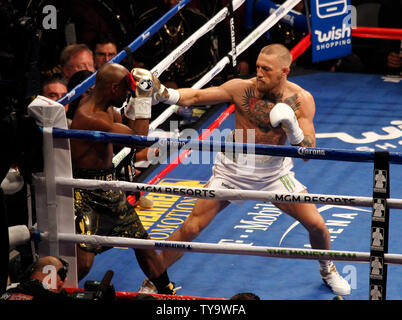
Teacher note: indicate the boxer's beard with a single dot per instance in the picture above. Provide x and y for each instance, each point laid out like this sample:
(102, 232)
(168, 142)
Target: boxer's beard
(268, 86)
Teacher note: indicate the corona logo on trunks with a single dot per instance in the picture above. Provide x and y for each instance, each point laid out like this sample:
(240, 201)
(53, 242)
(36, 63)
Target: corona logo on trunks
(332, 32)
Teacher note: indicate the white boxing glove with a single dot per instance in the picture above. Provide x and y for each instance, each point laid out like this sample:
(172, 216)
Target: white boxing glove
(163, 94)
(138, 108)
(140, 84)
(282, 114)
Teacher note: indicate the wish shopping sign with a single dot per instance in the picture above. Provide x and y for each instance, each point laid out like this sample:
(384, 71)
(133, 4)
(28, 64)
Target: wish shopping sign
(331, 29)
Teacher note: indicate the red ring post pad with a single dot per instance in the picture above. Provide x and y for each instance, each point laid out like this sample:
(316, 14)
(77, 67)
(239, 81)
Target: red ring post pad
(283, 151)
(302, 46)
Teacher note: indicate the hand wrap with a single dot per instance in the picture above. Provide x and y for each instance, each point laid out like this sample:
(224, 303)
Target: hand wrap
(163, 94)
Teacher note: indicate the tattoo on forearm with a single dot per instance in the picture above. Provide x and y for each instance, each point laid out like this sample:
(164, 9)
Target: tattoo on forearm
(308, 141)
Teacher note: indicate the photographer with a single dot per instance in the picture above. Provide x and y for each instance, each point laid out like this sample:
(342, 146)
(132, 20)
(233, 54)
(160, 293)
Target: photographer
(45, 281)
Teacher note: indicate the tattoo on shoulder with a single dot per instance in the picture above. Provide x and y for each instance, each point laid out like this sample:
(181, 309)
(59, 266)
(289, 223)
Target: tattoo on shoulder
(259, 108)
(269, 99)
(250, 99)
(293, 102)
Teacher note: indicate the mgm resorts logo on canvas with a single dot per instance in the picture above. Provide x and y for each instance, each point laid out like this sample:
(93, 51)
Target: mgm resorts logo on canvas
(332, 32)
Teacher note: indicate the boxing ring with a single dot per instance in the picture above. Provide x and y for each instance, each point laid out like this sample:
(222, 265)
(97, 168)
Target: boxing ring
(256, 229)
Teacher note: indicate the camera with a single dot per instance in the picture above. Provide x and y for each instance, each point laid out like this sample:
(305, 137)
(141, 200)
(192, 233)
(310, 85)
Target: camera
(97, 290)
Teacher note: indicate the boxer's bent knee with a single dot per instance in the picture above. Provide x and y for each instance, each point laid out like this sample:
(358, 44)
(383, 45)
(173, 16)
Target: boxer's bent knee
(191, 229)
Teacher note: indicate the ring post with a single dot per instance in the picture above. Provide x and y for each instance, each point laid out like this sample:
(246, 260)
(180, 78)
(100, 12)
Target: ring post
(379, 226)
(54, 204)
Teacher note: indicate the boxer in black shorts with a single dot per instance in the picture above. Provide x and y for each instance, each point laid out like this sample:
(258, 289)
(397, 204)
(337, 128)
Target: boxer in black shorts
(108, 212)
(104, 213)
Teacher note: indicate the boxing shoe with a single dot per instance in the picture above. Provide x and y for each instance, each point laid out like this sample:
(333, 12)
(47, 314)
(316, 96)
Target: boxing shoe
(334, 280)
(148, 287)
(169, 289)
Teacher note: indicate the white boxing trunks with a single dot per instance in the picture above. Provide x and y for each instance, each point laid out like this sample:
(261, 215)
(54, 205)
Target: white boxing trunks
(254, 172)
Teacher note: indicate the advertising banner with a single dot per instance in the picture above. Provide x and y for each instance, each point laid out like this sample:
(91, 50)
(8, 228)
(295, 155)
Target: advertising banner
(331, 29)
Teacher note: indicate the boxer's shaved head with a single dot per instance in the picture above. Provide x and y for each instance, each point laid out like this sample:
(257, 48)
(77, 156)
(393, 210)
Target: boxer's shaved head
(111, 84)
(283, 54)
(110, 73)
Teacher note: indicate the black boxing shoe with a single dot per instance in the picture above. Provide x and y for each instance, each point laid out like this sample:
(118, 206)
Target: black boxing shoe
(169, 289)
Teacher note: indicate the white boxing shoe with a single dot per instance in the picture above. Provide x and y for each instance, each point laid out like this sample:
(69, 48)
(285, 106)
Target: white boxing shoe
(147, 287)
(334, 281)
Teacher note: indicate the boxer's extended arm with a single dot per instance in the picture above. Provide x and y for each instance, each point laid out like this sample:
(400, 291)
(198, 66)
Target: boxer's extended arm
(190, 96)
(185, 96)
(212, 95)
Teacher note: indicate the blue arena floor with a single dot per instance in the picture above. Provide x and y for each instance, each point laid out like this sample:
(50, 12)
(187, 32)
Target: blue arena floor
(353, 111)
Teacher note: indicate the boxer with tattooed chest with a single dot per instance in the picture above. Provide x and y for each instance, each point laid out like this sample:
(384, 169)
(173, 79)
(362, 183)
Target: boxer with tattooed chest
(254, 111)
(272, 110)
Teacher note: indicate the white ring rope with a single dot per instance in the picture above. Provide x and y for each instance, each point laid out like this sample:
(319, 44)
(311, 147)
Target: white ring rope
(225, 194)
(274, 252)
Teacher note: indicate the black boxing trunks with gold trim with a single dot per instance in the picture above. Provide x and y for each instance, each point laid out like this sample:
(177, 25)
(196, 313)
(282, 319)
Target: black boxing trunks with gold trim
(105, 213)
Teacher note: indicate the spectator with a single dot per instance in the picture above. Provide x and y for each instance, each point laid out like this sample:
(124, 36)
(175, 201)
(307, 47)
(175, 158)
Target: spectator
(41, 284)
(76, 57)
(54, 88)
(105, 49)
(245, 296)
